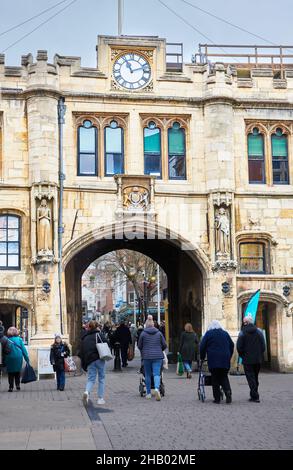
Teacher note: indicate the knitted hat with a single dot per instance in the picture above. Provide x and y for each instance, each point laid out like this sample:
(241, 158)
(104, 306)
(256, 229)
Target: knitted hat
(58, 335)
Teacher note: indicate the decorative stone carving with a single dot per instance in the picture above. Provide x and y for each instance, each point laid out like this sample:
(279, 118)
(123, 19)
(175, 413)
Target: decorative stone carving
(135, 195)
(222, 199)
(224, 265)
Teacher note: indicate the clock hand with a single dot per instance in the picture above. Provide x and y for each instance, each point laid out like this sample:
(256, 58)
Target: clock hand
(128, 65)
(140, 68)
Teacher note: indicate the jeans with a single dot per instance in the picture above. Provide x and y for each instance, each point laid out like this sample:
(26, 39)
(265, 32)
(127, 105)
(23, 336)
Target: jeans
(14, 376)
(251, 372)
(96, 367)
(220, 378)
(152, 367)
(60, 376)
(187, 366)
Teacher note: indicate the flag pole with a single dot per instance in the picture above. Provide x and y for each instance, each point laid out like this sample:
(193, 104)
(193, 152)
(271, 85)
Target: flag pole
(120, 17)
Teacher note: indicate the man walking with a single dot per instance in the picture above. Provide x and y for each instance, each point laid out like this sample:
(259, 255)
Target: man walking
(251, 347)
(123, 336)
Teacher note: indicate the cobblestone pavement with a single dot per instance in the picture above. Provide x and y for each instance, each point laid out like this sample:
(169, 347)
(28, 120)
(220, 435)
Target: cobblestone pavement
(39, 417)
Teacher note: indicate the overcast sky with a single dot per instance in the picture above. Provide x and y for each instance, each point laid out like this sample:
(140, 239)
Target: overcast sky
(74, 31)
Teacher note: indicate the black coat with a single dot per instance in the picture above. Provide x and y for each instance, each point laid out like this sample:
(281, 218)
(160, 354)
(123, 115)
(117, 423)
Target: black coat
(123, 335)
(251, 345)
(57, 355)
(188, 345)
(88, 350)
(218, 346)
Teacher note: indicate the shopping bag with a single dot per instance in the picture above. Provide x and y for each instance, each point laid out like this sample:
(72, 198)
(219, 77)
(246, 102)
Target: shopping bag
(28, 375)
(103, 349)
(180, 367)
(130, 353)
(69, 364)
(165, 361)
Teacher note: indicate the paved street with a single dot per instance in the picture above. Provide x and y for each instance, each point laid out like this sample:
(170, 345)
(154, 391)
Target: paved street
(39, 417)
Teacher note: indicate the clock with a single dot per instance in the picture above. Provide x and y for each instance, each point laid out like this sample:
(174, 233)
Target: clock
(132, 71)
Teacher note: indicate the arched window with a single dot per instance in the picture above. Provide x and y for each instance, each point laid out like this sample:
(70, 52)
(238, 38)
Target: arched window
(256, 157)
(252, 258)
(9, 241)
(176, 152)
(152, 150)
(87, 149)
(114, 149)
(280, 157)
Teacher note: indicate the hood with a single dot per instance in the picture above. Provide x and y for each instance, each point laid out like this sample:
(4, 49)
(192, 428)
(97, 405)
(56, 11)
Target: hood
(151, 331)
(250, 329)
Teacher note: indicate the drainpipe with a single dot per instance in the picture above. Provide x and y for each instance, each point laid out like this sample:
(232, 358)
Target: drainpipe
(61, 121)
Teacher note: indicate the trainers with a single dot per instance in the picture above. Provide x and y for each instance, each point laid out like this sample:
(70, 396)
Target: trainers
(254, 400)
(101, 401)
(148, 396)
(85, 398)
(157, 395)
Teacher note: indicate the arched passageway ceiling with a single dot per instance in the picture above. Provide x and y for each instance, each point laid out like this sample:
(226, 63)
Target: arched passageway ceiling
(94, 244)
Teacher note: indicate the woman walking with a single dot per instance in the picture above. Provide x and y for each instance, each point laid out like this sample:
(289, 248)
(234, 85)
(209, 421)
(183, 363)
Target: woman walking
(218, 346)
(188, 348)
(92, 363)
(14, 360)
(151, 344)
(59, 352)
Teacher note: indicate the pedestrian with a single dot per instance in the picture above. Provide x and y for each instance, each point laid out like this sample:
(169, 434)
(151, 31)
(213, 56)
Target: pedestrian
(59, 352)
(14, 360)
(251, 347)
(112, 337)
(188, 348)
(163, 328)
(218, 346)
(4, 345)
(133, 332)
(139, 331)
(123, 336)
(151, 345)
(91, 362)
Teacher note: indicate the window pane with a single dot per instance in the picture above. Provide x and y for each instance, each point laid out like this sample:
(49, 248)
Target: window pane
(13, 248)
(3, 261)
(280, 172)
(3, 235)
(114, 164)
(279, 146)
(176, 138)
(87, 164)
(256, 171)
(152, 164)
(251, 249)
(13, 222)
(3, 248)
(13, 261)
(255, 145)
(113, 140)
(176, 166)
(13, 235)
(250, 265)
(3, 221)
(152, 141)
(87, 140)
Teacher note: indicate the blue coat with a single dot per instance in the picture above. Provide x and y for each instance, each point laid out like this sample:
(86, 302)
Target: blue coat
(218, 346)
(151, 344)
(18, 352)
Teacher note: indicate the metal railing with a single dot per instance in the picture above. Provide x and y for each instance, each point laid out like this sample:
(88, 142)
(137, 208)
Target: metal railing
(174, 57)
(254, 56)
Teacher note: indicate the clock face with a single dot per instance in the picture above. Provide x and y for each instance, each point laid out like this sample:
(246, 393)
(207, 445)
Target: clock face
(132, 71)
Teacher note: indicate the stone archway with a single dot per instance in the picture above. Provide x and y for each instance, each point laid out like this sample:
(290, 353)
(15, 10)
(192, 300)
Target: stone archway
(184, 264)
(16, 313)
(271, 318)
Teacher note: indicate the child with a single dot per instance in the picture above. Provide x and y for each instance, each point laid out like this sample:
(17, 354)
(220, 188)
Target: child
(59, 351)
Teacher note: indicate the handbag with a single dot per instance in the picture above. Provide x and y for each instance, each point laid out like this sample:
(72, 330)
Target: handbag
(130, 353)
(28, 375)
(69, 364)
(103, 349)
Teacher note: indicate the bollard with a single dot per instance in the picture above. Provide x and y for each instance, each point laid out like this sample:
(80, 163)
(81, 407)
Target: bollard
(117, 360)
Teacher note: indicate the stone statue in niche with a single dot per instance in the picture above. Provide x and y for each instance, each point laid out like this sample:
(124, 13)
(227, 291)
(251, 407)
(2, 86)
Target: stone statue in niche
(222, 226)
(44, 228)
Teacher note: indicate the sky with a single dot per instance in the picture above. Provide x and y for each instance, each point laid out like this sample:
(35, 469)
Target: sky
(74, 31)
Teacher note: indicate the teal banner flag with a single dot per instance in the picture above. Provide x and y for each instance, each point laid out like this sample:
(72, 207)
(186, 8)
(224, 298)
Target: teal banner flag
(251, 309)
